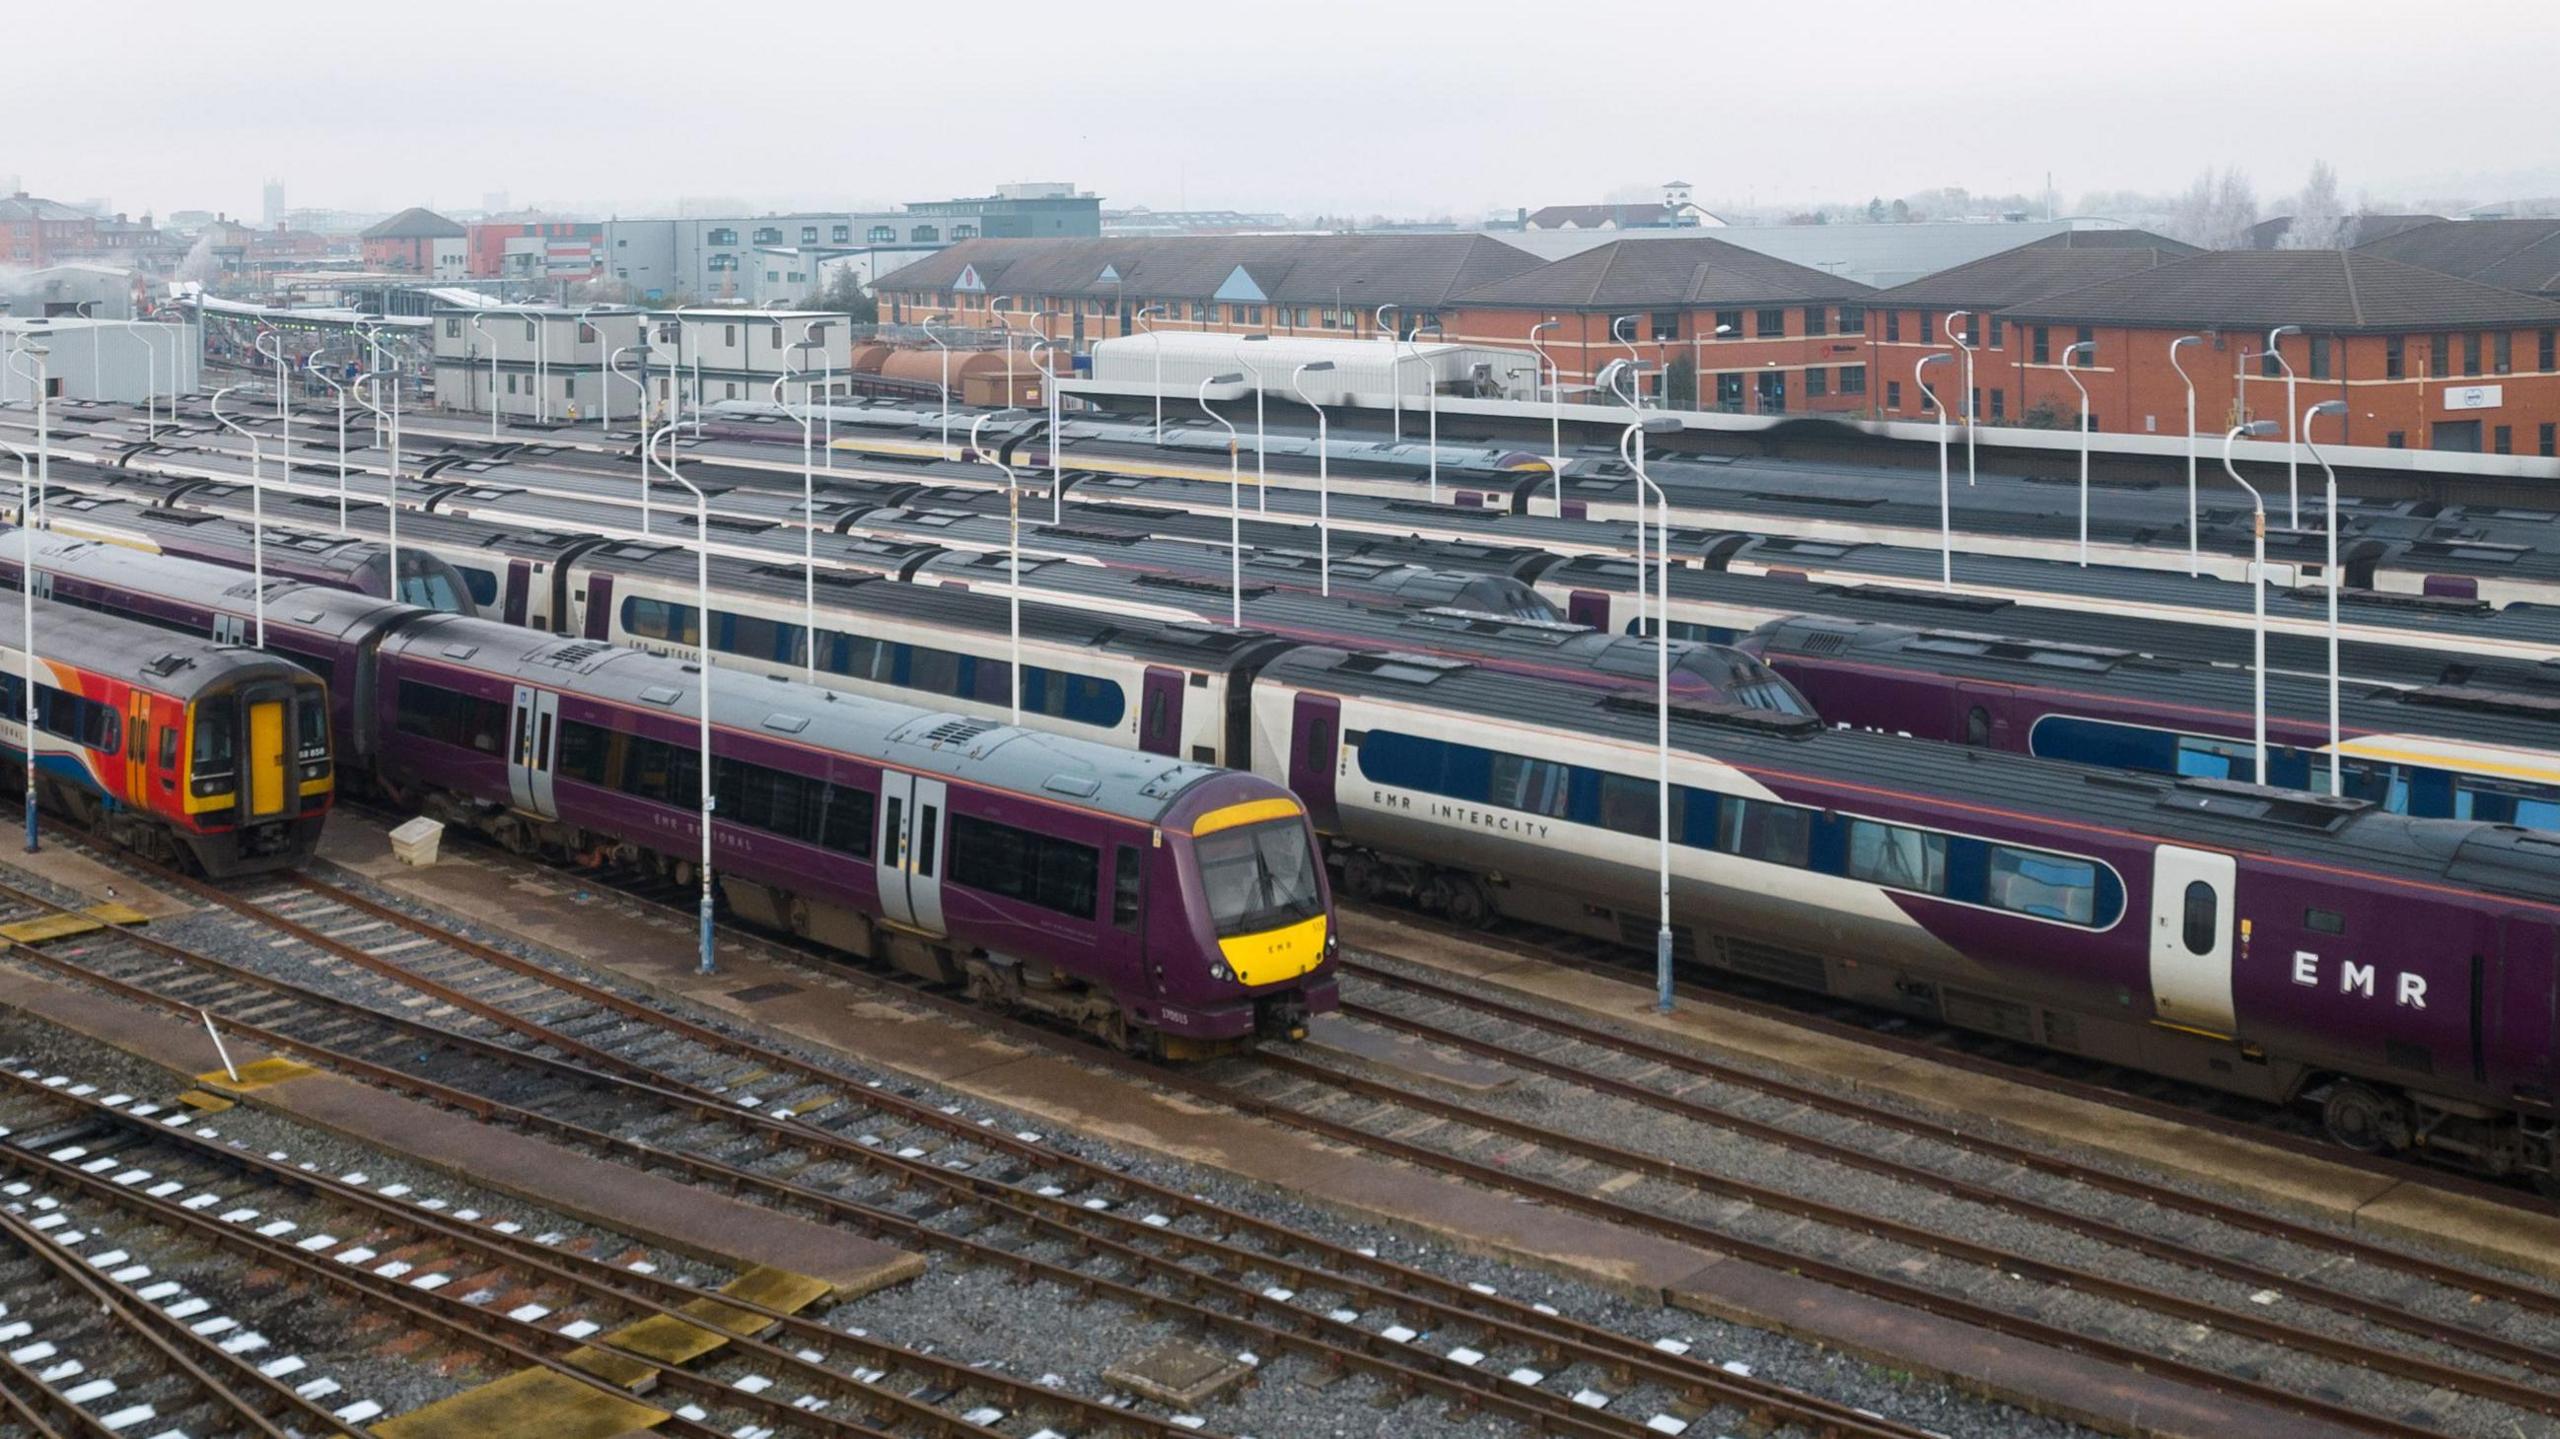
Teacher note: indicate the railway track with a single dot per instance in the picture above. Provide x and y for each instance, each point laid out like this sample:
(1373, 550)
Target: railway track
(515, 1043)
(2425, 1360)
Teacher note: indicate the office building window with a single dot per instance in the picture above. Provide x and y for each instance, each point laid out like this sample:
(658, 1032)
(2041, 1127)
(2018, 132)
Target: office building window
(2397, 439)
(723, 236)
(2547, 441)
(925, 234)
(2042, 349)
(1816, 382)
(2319, 357)
(1924, 331)
(1853, 319)
(964, 232)
(768, 234)
(1728, 324)
(2503, 439)
(2471, 353)
(2440, 355)
(2395, 358)
(2505, 355)
(1928, 401)
(808, 234)
(881, 234)
(1999, 331)
(1769, 325)
(841, 234)
(1999, 405)
(1893, 327)
(2544, 357)
(1816, 320)
(1893, 394)
(1853, 379)
(1665, 324)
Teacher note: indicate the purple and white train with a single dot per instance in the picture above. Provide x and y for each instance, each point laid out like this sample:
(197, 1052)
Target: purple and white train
(1169, 907)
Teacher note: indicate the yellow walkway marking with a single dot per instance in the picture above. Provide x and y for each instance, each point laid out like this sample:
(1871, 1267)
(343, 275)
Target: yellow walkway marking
(63, 926)
(533, 1403)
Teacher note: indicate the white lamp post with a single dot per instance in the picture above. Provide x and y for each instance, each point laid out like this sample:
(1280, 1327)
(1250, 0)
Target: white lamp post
(1049, 395)
(312, 363)
(1324, 481)
(2257, 581)
(1631, 448)
(1555, 402)
(34, 353)
(997, 315)
(1235, 499)
(27, 593)
(284, 390)
(1155, 340)
(1956, 338)
(386, 366)
(1622, 330)
(2194, 564)
(640, 406)
(150, 377)
(2293, 459)
(88, 310)
(1261, 473)
(808, 515)
(1431, 396)
(1946, 510)
(491, 341)
(946, 383)
(1013, 586)
(702, 635)
(2329, 572)
(2073, 376)
(1395, 368)
(257, 519)
(541, 361)
(586, 325)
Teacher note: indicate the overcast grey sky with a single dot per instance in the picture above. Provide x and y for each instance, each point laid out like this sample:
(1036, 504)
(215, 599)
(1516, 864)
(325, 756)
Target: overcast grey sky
(1402, 106)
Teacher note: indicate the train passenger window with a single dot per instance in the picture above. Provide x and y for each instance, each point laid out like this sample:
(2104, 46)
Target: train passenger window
(758, 638)
(1124, 888)
(1081, 698)
(1019, 864)
(1890, 854)
(2204, 918)
(2048, 886)
(2538, 813)
(2204, 759)
(169, 747)
(2324, 921)
(650, 619)
(585, 752)
(482, 584)
(848, 821)
(928, 837)
(1762, 830)
(1538, 786)
(1631, 806)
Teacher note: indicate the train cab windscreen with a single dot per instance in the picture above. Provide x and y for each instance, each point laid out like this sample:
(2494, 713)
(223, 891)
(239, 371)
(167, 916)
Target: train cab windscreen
(1259, 876)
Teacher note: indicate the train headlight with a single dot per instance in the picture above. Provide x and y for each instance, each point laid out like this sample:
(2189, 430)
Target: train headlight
(1218, 971)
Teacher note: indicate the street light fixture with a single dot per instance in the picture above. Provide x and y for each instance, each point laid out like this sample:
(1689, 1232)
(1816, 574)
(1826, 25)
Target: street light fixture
(150, 376)
(1261, 471)
(1155, 340)
(1631, 448)
(2194, 562)
(1946, 509)
(927, 323)
(1049, 395)
(477, 317)
(257, 519)
(1235, 498)
(1013, 566)
(1956, 338)
(284, 407)
(2329, 573)
(640, 406)
(808, 513)
(312, 363)
(1324, 512)
(34, 353)
(27, 595)
(1395, 364)
(2293, 459)
(1431, 394)
(2257, 582)
(704, 964)
(384, 361)
(2073, 376)
(1555, 401)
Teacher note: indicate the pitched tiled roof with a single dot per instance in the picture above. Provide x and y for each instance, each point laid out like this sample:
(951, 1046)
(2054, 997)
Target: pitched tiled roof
(1666, 270)
(1354, 270)
(2517, 254)
(2332, 290)
(2040, 268)
(22, 208)
(416, 223)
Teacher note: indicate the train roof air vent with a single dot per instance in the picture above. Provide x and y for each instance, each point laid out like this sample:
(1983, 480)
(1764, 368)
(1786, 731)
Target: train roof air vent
(1823, 642)
(661, 695)
(955, 731)
(786, 723)
(2237, 799)
(1074, 784)
(460, 652)
(575, 653)
(1403, 668)
(166, 665)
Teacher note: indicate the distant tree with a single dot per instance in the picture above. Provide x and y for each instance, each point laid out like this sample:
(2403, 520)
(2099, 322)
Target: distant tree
(1680, 382)
(2216, 211)
(2319, 217)
(2049, 415)
(843, 292)
(1902, 212)
(1876, 211)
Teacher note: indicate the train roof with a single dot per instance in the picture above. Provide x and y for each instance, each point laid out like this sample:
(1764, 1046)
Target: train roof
(2214, 813)
(2470, 712)
(1128, 783)
(323, 609)
(178, 665)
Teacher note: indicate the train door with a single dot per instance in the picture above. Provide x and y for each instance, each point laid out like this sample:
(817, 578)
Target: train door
(270, 734)
(1588, 607)
(519, 591)
(531, 739)
(2522, 1027)
(1315, 732)
(909, 850)
(2192, 893)
(599, 606)
(137, 749)
(1160, 712)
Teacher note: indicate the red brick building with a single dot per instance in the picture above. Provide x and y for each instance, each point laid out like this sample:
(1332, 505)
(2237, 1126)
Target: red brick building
(535, 249)
(40, 232)
(1907, 323)
(2422, 359)
(413, 241)
(1713, 325)
(1082, 290)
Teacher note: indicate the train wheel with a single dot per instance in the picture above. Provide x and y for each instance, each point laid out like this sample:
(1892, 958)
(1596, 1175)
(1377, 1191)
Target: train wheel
(1467, 903)
(1364, 877)
(2357, 1118)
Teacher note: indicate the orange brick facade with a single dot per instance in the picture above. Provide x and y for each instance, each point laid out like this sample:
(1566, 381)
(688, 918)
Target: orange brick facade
(2497, 391)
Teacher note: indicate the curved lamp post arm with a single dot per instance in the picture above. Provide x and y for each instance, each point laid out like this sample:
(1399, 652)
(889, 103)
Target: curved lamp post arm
(1013, 564)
